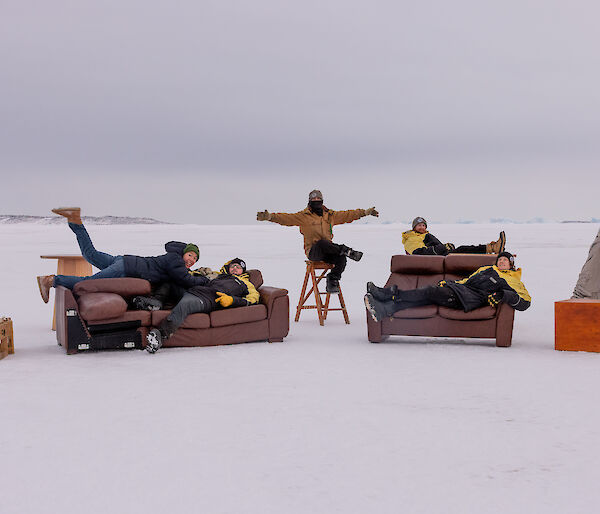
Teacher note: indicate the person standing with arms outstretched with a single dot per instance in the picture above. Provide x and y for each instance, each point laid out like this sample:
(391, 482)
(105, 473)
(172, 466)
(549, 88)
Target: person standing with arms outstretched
(316, 225)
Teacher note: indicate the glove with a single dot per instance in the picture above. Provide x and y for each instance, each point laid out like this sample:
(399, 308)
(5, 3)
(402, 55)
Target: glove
(371, 211)
(450, 247)
(204, 272)
(224, 299)
(441, 283)
(495, 298)
(263, 215)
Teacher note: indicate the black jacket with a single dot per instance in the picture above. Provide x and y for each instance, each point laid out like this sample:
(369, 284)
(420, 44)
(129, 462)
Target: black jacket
(473, 291)
(162, 268)
(238, 286)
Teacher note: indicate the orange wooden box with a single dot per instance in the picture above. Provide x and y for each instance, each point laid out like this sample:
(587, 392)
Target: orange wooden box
(6, 337)
(577, 325)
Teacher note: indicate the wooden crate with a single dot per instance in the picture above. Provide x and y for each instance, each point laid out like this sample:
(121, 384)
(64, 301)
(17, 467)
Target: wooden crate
(6, 337)
(577, 325)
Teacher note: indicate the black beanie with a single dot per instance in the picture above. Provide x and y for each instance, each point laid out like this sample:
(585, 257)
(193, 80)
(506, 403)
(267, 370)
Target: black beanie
(239, 261)
(509, 256)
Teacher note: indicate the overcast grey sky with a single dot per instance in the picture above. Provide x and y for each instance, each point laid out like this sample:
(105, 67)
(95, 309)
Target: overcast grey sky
(207, 111)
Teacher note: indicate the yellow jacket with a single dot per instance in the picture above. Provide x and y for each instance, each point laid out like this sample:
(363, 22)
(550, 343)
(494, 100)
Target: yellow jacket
(413, 240)
(314, 227)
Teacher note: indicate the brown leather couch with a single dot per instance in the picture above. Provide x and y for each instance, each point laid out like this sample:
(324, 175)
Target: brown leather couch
(95, 316)
(414, 271)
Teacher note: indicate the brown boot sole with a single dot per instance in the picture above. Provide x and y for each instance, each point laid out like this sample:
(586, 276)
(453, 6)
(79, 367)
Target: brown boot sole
(44, 292)
(67, 211)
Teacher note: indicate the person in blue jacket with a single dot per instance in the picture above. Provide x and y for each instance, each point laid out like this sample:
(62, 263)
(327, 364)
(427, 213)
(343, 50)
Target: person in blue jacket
(172, 266)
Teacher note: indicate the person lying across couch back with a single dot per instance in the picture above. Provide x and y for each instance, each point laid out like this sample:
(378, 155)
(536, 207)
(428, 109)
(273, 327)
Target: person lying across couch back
(419, 241)
(173, 265)
(231, 288)
(489, 285)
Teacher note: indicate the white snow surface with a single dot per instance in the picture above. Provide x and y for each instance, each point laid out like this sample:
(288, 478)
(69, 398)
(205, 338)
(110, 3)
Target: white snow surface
(323, 422)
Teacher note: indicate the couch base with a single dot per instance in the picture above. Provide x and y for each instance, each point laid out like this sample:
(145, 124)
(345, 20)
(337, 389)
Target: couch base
(438, 327)
(80, 339)
(231, 334)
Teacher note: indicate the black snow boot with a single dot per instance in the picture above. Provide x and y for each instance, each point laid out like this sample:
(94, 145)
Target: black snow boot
(355, 255)
(146, 303)
(383, 294)
(153, 340)
(333, 285)
(378, 310)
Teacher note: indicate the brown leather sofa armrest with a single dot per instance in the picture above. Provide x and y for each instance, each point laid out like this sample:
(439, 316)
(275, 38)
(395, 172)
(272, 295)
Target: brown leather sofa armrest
(64, 300)
(504, 325)
(268, 295)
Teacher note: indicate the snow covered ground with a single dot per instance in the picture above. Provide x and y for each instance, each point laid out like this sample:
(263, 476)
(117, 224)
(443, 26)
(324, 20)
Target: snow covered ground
(323, 422)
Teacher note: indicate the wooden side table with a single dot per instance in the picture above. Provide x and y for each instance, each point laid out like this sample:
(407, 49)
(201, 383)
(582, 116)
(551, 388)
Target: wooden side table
(577, 325)
(69, 265)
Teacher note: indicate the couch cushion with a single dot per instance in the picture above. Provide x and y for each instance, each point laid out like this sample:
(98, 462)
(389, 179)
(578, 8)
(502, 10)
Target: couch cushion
(100, 306)
(255, 277)
(417, 264)
(237, 315)
(481, 313)
(144, 317)
(197, 320)
(429, 280)
(122, 286)
(426, 311)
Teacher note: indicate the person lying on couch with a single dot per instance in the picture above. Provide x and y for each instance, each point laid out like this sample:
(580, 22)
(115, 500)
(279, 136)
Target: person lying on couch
(173, 265)
(166, 294)
(231, 288)
(489, 285)
(419, 241)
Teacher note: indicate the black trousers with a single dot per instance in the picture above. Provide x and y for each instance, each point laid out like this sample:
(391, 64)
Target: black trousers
(168, 293)
(470, 249)
(441, 250)
(330, 253)
(435, 295)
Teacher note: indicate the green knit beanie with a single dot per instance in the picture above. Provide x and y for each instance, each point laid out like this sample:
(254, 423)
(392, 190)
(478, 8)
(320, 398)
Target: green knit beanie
(191, 247)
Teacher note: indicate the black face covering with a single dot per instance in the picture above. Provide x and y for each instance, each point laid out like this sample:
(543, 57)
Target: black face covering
(316, 206)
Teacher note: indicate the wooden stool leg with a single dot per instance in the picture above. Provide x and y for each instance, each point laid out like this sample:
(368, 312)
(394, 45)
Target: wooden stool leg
(317, 296)
(302, 299)
(343, 306)
(326, 307)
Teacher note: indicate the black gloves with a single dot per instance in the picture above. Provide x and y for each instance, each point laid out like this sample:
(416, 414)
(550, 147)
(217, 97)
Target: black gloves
(495, 298)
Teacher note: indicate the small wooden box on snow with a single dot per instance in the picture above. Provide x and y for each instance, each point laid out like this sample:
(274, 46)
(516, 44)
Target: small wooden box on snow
(577, 325)
(6, 337)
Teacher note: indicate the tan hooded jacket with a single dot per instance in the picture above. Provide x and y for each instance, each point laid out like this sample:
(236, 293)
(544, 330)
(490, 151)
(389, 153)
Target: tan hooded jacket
(314, 227)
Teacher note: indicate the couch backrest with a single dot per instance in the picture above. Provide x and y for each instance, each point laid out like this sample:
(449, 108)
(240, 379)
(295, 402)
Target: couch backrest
(461, 265)
(255, 277)
(417, 264)
(413, 271)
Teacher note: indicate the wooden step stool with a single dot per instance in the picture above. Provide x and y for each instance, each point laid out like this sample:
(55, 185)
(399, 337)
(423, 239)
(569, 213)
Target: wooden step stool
(322, 308)
(577, 325)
